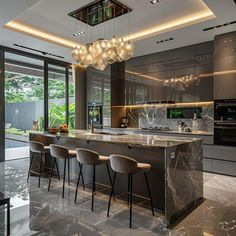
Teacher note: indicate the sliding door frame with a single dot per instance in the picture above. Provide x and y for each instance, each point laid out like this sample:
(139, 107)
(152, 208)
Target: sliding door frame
(47, 61)
(2, 106)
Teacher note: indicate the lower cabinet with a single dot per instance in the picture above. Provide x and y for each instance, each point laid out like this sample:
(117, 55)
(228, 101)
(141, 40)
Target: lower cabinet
(219, 159)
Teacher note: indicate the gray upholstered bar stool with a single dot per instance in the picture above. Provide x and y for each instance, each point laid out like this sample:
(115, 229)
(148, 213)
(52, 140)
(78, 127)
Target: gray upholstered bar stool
(60, 152)
(91, 158)
(125, 165)
(37, 148)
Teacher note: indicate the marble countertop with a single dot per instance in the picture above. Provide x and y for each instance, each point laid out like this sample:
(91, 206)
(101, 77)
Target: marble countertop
(203, 133)
(143, 140)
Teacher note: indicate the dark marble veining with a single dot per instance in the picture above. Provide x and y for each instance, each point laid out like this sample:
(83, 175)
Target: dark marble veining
(39, 212)
(156, 116)
(184, 179)
(152, 141)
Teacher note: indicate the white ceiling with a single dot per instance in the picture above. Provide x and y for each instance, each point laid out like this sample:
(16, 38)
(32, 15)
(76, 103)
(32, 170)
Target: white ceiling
(52, 16)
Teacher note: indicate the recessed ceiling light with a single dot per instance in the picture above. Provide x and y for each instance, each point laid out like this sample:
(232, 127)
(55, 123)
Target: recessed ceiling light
(165, 40)
(155, 1)
(219, 26)
(78, 33)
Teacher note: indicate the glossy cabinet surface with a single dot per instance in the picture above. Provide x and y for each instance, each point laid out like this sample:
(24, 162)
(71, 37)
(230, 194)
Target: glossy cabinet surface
(178, 75)
(225, 66)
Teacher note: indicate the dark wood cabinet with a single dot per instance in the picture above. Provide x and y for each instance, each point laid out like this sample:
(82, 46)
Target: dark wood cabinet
(225, 66)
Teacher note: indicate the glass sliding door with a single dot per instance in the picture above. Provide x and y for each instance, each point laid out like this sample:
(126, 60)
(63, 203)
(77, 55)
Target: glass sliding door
(24, 102)
(61, 109)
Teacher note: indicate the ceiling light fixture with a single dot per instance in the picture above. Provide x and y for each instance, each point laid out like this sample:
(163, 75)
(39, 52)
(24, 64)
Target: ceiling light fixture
(102, 52)
(155, 1)
(219, 26)
(78, 33)
(36, 50)
(165, 40)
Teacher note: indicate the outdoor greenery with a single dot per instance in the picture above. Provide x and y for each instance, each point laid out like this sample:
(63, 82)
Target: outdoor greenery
(22, 88)
(16, 131)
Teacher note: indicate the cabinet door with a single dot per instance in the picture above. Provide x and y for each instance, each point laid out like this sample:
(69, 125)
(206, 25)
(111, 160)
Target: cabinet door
(164, 88)
(225, 66)
(185, 74)
(139, 81)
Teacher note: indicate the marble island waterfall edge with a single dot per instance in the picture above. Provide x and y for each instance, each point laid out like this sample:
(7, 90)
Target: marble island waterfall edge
(176, 176)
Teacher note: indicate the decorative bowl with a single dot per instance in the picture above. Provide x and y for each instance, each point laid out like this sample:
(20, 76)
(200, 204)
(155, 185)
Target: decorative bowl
(53, 130)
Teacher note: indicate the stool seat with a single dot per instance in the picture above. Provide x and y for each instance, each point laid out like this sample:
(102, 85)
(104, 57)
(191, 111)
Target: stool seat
(72, 153)
(46, 149)
(126, 165)
(91, 158)
(142, 168)
(103, 160)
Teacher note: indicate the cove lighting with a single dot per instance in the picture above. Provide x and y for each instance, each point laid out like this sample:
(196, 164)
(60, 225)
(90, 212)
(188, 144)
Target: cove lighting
(28, 30)
(167, 105)
(178, 23)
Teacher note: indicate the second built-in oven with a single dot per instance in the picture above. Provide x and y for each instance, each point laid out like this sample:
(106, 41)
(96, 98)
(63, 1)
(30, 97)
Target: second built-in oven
(225, 122)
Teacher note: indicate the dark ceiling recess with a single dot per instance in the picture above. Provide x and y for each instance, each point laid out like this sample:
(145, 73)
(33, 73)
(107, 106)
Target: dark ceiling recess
(100, 11)
(220, 26)
(35, 50)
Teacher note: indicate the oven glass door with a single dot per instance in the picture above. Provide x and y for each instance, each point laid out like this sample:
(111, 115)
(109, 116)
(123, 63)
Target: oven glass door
(225, 134)
(225, 112)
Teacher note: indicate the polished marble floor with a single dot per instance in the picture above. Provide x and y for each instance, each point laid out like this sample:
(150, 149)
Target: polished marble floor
(36, 211)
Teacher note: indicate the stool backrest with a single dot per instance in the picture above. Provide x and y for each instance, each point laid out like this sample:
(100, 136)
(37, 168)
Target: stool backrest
(36, 146)
(58, 151)
(87, 157)
(123, 164)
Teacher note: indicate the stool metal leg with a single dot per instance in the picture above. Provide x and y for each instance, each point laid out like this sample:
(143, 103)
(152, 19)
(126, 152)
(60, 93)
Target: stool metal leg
(81, 166)
(31, 162)
(80, 172)
(64, 177)
(94, 186)
(109, 174)
(112, 190)
(149, 192)
(40, 167)
(8, 218)
(130, 200)
(68, 171)
(128, 188)
(49, 183)
(58, 174)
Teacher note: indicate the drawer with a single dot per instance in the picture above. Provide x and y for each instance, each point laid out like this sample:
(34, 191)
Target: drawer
(219, 152)
(224, 167)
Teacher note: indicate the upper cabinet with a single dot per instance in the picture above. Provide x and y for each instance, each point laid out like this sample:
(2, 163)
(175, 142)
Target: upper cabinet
(225, 66)
(179, 75)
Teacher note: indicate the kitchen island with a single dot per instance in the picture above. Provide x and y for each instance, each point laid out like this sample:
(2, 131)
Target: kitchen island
(176, 177)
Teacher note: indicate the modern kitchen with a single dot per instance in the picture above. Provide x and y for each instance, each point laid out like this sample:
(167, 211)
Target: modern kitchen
(125, 122)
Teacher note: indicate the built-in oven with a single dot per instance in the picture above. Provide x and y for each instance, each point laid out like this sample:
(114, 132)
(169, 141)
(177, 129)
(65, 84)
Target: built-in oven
(225, 122)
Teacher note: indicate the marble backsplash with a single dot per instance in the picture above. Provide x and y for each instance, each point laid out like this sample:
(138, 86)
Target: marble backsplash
(156, 116)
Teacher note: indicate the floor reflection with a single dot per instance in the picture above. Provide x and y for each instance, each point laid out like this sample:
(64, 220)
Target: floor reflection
(39, 212)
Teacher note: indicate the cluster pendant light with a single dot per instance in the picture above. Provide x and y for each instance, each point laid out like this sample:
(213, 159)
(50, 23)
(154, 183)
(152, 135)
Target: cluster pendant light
(103, 52)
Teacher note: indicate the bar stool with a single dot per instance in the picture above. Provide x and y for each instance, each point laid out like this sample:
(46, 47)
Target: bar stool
(91, 158)
(125, 165)
(42, 151)
(60, 152)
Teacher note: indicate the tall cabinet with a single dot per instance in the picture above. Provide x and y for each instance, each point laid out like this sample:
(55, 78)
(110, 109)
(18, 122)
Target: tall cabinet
(225, 66)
